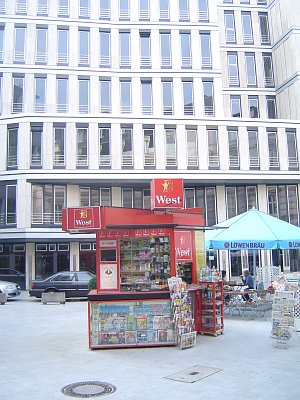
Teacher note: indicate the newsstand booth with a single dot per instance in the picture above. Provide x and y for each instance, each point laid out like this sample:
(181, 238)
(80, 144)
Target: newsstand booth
(137, 251)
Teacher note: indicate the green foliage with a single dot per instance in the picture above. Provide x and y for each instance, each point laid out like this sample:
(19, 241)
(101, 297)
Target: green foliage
(92, 283)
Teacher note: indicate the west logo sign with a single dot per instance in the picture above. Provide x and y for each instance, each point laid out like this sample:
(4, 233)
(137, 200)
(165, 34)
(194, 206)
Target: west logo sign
(166, 193)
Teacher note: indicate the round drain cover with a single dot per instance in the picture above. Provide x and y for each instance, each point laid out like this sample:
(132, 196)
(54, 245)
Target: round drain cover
(88, 389)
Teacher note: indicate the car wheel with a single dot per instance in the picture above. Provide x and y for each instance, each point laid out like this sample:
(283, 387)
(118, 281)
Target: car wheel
(51, 290)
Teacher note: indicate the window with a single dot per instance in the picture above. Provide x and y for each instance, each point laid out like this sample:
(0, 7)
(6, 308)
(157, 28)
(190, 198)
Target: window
(254, 162)
(234, 160)
(19, 54)
(144, 10)
(250, 69)
(165, 50)
(62, 46)
(192, 148)
(171, 157)
(125, 50)
(231, 202)
(0, 94)
(253, 106)
(12, 148)
(83, 87)
(8, 206)
(105, 96)
(125, 89)
(283, 203)
(233, 69)
(84, 47)
(21, 6)
(185, 42)
(202, 10)
(2, 6)
(271, 107)
(291, 140)
(205, 50)
(235, 106)
(124, 12)
(273, 150)
(40, 94)
(104, 148)
(229, 27)
(268, 70)
(127, 147)
(184, 10)
(127, 198)
(18, 95)
(105, 9)
(62, 95)
(188, 98)
(208, 93)
(105, 58)
(41, 46)
(146, 87)
(213, 149)
(167, 97)
(149, 154)
(36, 146)
(145, 50)
(84, 8)
(264, 28)
(47, 204)
(164, 10)
(247, 28)
(42, 7)
(105, 197)
(1, 43)
(82, 147)
(59, 147)
(63, 8)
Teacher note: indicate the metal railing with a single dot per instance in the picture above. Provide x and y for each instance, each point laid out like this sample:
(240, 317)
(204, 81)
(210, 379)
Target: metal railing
(104, 161)
(192, 161)
(19, 56)
(105, 61)
(126, 109)
(145, 61)
(83, 109)
(82, 161)
(166, 62)
(149, 160)
(45, 218)
(206, 62)
(41, 58)
(84, 59)
(144, 15)
(62, 108)
(254, 162)
(171, 161)
(203, 15)
(125, 61)
(63, 11)
(148, 110)
(7, 219)
(84, 12)
(62, 58)
(127, 160)
(17, 108)
(104, 13)
(209, 111)
(40, 108)
(213, 161)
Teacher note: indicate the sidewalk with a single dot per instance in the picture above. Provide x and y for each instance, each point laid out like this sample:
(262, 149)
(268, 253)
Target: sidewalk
(45, 347)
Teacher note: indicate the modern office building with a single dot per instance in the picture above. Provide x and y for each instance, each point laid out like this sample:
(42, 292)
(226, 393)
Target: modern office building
(98, 97)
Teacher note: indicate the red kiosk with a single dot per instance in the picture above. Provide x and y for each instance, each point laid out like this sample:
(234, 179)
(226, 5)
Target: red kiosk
(137, 250)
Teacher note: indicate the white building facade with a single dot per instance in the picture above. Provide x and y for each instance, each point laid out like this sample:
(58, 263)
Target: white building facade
(98, 97)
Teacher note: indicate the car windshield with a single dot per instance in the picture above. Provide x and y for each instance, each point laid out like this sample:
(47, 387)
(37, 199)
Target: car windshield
(64, 277)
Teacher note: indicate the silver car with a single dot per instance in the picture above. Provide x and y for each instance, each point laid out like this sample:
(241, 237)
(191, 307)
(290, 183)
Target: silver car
(10, 289)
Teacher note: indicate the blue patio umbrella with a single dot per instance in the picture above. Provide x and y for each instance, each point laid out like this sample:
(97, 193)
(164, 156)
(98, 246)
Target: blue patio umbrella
(253, 230)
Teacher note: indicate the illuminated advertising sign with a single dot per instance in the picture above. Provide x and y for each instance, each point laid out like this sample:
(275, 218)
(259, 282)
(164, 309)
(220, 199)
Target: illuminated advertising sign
(167, 193)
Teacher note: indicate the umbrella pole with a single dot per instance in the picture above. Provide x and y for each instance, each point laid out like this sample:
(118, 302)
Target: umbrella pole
(254, 268)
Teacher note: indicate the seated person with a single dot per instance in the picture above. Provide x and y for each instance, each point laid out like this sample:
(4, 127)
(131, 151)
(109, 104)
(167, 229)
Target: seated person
(248, 281)
(227, 297)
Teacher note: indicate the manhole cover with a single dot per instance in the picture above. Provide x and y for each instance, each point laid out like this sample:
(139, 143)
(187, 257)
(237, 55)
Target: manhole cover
(88, 389)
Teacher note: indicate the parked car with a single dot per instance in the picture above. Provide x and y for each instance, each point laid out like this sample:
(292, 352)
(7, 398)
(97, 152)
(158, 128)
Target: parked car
(12, 275)
(74, 284)
(11, 289)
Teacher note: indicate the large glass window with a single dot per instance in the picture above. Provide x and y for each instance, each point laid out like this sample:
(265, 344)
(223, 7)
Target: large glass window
(250, 69)
(146, 87)
(268, 70)
(127, 198)
(12, 148)
(264, 28)
(167, 97)
(19, 54)
(36, 146)
(62, 95)
(105, 9)
(283, 203)
(149, 150)
(165, 50)
(47, 204)
(40, 94)
(184, 10)
(273, 150)
(41, 46)
(213, 149)
(247, 28)
(271, 107)
(8, 205)
(229, 27)
(205, 50)
(104, 147)
(127, 147)
(164, 10)
(192, 148)
(59, 147)
(144, 9)
(233, 150)
(202, 10)
(186, 57)
(62, 46)
(233, 69)
(83, 86)
(84, 8)
(188, 98)
(291, 140)
(254, 162)
(235, 106)
(125, 60)
(18, 95)
(84, 47)
(105, 96)
(253, 106)
(105, 58)
(145, 50)
(125, 89)
(124, 11)
(82, 147)
(208, 93)
(171, 152)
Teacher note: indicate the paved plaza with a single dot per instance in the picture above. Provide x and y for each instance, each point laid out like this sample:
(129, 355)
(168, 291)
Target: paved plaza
(45, 347)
